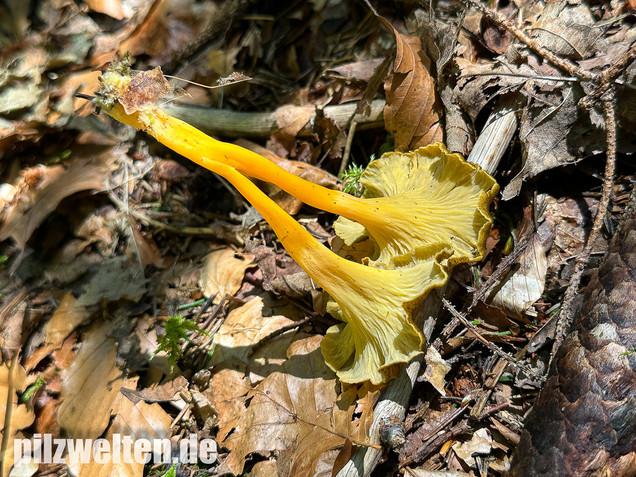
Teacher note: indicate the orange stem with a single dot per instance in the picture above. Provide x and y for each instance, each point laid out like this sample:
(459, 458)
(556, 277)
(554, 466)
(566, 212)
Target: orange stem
(202, 149)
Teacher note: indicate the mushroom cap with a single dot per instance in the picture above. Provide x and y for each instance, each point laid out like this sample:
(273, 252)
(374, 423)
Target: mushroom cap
(376, 307)
(424, 197)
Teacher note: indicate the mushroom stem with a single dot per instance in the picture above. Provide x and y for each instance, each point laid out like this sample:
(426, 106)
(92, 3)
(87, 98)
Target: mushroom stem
(197, 146)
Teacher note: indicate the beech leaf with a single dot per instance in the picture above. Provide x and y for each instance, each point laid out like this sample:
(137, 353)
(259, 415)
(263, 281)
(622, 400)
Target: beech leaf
(412, 112)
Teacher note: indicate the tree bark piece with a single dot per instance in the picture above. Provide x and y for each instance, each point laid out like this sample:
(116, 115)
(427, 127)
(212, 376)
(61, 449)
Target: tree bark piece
(584, 420)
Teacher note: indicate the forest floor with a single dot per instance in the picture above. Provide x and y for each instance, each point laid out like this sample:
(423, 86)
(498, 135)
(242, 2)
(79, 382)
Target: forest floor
(141, 295)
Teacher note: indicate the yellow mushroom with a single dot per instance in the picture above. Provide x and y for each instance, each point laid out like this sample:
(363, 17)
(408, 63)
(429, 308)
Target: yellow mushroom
(412, 200)
(375, 304)
(434, 196)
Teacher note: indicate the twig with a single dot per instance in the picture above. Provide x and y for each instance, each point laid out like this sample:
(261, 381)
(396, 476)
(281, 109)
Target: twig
(488, 387)
(566, 313)
(239, 124)
(424, 451)
(347, 150)
(502, 354)
(608, 76)
(279, 332)
(7, 413)
(564, 65)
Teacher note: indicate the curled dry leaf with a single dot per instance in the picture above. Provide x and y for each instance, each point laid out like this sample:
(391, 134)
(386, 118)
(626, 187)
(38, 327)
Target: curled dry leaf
(436, 370)
(412, 112)
(480, 443)
(55, 183)
(223, 272)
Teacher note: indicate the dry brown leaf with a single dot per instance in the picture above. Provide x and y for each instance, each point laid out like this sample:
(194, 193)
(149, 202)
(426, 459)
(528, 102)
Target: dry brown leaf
(145, 87)
(54, 184)
(226, 392)
(140, 420)
(547, 132)
(567, 28)
(291, 119)
(223, 272)
(90, 386)
(168, 27)
(412, 112)
(367, 396)
(21, 417)
(436, 370)
(480, 443)
(361, 71)
(65, 319)
(243, 328)
(294, 412)
(112, 8)
(169, 391)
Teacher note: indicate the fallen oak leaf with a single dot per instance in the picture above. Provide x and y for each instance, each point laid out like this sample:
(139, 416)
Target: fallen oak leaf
(90, 386)
(292, 412)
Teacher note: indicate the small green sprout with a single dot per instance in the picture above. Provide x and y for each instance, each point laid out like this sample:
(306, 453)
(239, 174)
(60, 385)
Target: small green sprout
(185, 306)
(172, 471)
(177, 329)
(31, 390)
(351, 180)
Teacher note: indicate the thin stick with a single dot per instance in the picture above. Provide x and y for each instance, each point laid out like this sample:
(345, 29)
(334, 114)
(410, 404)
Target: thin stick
(278, 332)
(7, 413)
(564, 65)
(502, 354)
(566, 313)
(347, 150)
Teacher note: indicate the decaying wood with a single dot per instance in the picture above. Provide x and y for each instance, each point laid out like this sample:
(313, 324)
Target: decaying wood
(494, 139)
(584, 420)
(235, 124)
